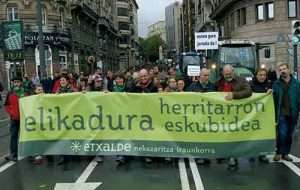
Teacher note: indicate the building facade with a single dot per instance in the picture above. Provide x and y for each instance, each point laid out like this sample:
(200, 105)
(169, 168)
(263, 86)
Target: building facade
(73, 31)
(188, 18)
(267, 23)
(203, 22)
(128, 27)
(158, 28)
(173, 28)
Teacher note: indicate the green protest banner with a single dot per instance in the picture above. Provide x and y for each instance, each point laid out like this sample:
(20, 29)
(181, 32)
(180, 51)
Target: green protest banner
(167, 124)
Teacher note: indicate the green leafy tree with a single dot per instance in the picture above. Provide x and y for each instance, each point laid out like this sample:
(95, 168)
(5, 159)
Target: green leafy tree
(150, 47)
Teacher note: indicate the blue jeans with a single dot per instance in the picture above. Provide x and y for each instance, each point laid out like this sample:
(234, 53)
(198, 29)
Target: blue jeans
(285, 131)
(14, 137)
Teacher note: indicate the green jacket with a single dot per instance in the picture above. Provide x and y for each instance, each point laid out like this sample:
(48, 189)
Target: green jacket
(294, 97)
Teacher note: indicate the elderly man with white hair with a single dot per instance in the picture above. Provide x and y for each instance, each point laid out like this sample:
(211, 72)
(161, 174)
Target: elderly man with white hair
(236, 88)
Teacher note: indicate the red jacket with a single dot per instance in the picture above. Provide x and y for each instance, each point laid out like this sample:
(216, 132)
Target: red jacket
(56, 85)
(12, 106)
(239, 87)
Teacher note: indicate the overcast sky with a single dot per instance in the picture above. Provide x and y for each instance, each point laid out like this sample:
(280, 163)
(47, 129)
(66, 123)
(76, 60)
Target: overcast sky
(151, 11)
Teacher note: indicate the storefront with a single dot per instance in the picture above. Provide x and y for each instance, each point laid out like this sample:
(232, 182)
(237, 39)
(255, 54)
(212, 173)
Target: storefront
(57, 52)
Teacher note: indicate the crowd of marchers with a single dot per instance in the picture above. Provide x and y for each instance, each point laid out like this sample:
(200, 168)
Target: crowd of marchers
(285, 90)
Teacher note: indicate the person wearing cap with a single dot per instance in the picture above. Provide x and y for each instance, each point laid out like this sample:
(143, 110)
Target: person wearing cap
(95, 84)
(12, 108)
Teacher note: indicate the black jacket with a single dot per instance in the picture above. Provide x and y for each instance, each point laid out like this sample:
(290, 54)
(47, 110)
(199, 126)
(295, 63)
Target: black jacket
(198, 87)
(259, 87)
(150, 88)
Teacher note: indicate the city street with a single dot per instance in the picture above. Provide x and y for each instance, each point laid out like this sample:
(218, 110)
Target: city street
(85, 173)
(171, 84)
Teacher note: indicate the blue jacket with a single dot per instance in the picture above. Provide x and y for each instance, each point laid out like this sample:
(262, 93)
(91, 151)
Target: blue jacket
(198, 87)
(294, 97)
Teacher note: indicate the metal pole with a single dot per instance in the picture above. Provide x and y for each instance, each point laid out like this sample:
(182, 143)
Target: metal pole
(296, 60)
(128, 59)
(40, 41)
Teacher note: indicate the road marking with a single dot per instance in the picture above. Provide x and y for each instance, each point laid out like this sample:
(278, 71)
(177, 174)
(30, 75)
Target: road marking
(8, 164)
(295, 159)
(183, 175)
(196, 175)
(292, 166)
(80, 183)
(87, 172)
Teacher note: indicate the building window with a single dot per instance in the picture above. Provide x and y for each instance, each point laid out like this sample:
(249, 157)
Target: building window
(63, 58)
(123, 26)
(76, 59)
(270, 10)
(267, 53)
(61, 18)
(292, 8)
(124, 40)
(12, 13)
(44, 16)
(238, 17)
(260, 12)
(243, 16)
(123, 12)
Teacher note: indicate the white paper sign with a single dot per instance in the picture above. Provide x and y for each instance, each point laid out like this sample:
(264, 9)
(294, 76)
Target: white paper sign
(206, 40)
(193, 70)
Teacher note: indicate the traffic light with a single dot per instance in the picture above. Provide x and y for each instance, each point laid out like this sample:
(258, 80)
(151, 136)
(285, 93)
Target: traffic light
(296, 31)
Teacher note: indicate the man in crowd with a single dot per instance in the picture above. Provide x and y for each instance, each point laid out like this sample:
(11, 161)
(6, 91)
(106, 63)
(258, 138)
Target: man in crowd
(12, 108)
(286, 92)
(236, 88)
(202, 84)
(261, 84)
(144, 85)
(109, 81)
